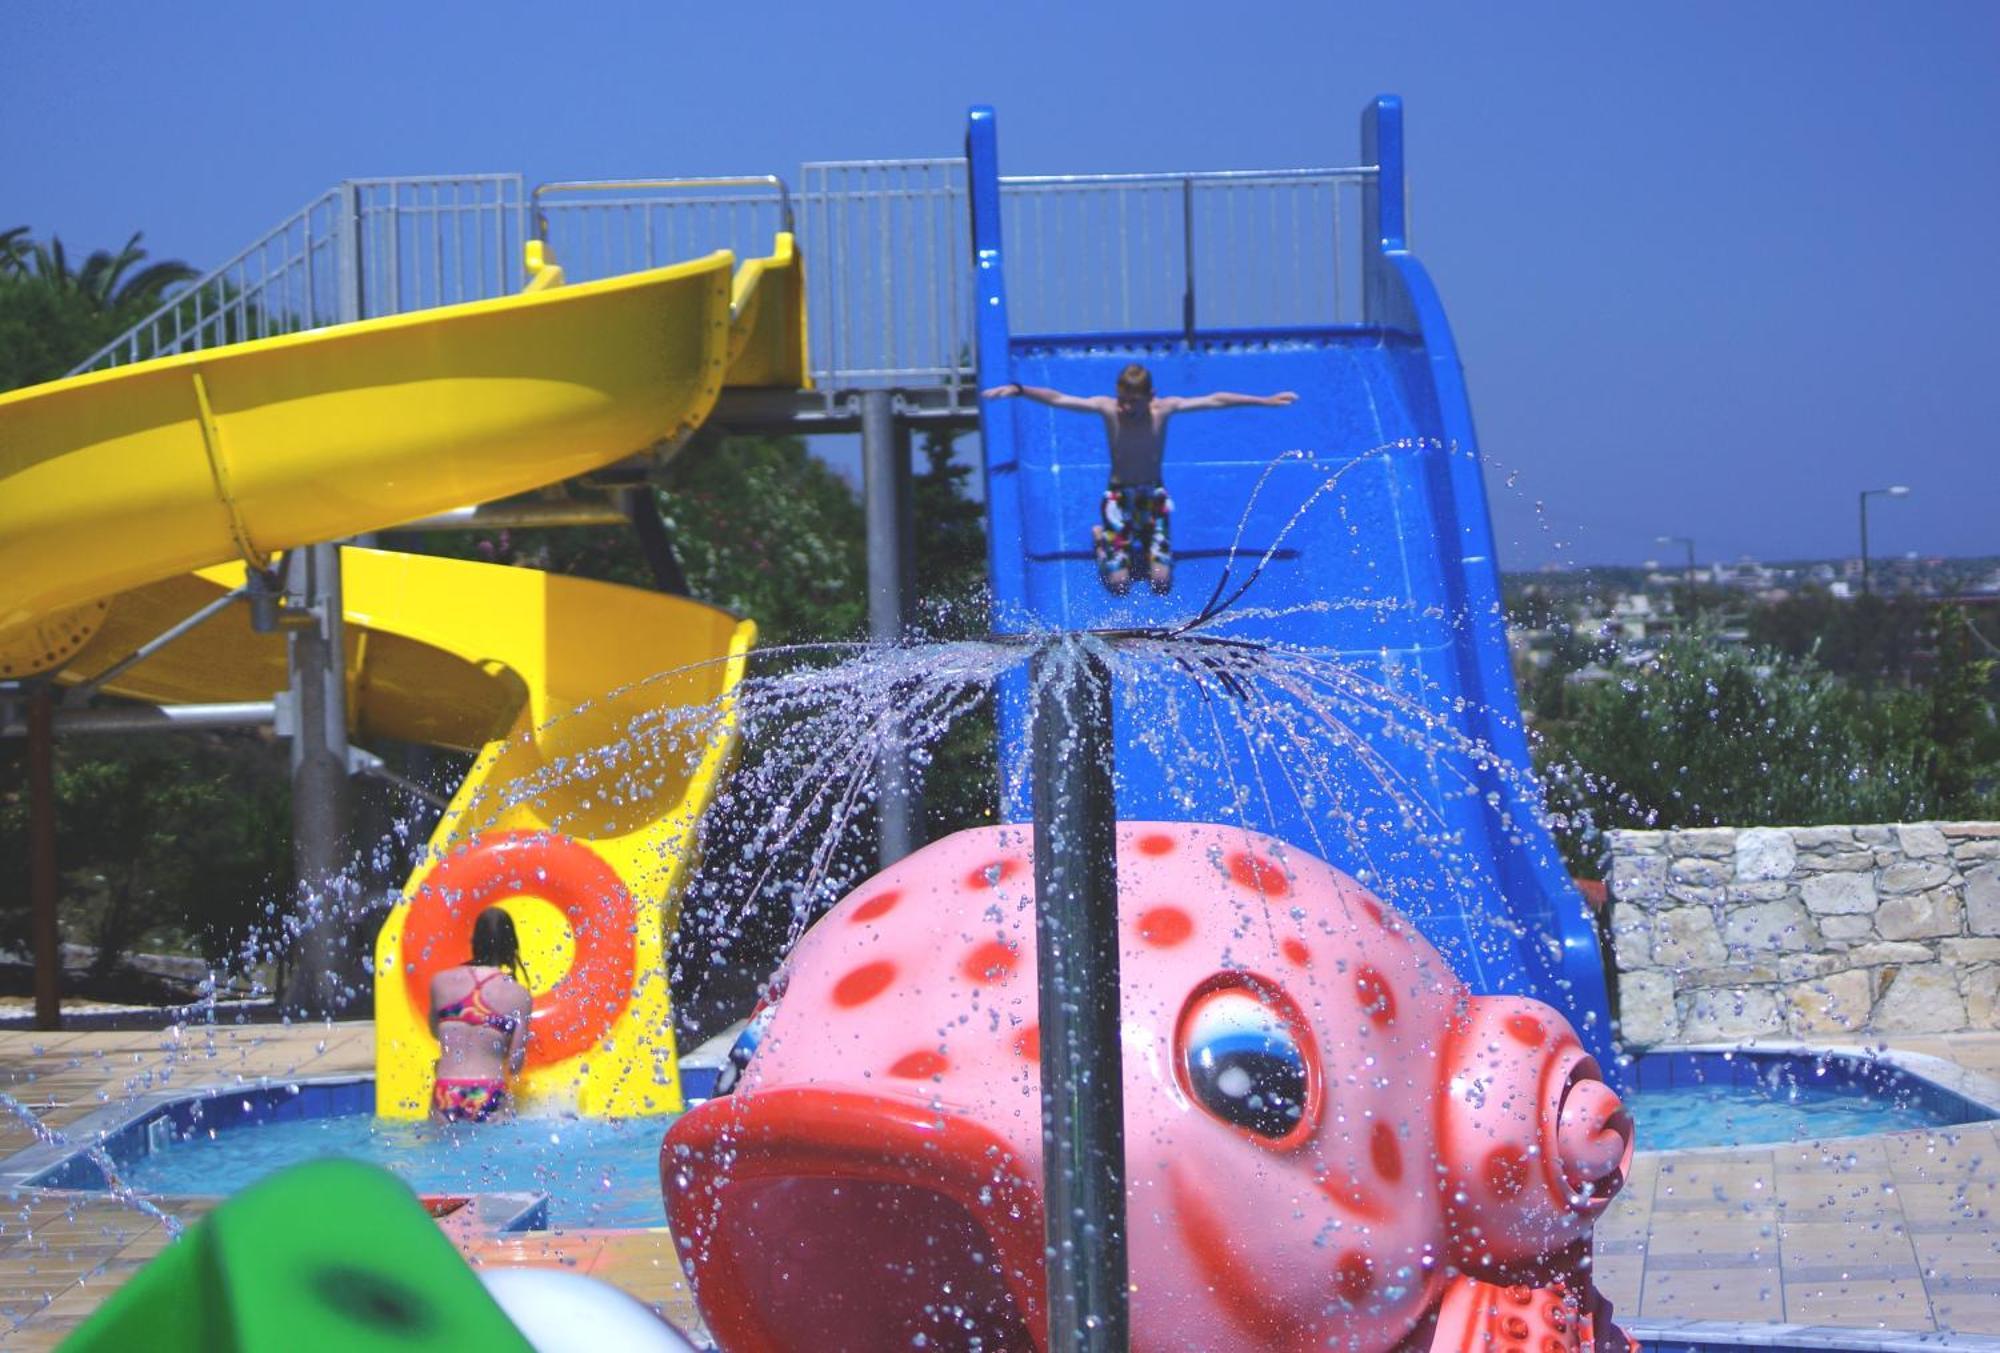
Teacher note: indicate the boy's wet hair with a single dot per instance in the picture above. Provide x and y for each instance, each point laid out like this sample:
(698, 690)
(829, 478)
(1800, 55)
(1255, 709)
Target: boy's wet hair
(1135, 383)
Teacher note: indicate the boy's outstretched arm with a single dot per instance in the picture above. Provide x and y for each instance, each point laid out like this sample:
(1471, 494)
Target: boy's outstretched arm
(1229, 399)
(1055, 399)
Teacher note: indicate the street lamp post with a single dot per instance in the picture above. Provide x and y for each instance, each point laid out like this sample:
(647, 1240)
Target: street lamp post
(1689, 542)
(1893, 491)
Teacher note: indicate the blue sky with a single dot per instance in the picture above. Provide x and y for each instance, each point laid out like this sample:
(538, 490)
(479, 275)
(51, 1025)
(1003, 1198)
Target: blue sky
(1713, 267)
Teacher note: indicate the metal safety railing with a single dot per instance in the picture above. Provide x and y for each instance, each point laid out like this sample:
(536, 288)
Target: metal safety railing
(367, 247)
(1150, 252)
(605, 227)
(888, 257)
(426, 242)
(885, 243)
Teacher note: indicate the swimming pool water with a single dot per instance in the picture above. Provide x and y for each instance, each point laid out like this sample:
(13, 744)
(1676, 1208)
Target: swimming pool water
(596, 1173)
(1779, 1109)
(607, 1173)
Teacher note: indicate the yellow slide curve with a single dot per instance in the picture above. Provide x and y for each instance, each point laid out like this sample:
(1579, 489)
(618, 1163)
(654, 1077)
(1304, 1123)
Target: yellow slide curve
(129, 498)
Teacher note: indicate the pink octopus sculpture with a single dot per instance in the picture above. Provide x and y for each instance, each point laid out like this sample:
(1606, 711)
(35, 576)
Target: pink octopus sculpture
(1329, 1141)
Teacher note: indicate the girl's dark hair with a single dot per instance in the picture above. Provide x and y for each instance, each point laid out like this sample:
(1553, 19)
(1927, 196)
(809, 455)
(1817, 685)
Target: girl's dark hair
(494, 944)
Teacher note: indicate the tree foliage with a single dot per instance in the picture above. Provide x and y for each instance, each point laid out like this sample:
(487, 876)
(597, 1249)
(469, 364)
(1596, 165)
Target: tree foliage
(1867, 639)
(53, 315)
(767, 530)
(178, 841)
(1706, 734)
(1961, 723)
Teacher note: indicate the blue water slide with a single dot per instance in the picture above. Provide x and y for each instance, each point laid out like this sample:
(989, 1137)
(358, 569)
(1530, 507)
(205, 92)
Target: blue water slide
(1379, 591)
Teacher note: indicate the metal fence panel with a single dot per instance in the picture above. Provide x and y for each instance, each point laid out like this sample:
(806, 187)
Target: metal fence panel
(368, 247)
(886, 247)
(438, 241)
(1172, 252)
(604, 228)
(887, 273)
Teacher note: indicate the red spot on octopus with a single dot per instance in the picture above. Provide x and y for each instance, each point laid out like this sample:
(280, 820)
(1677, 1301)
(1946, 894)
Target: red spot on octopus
(864, 984)
(1346, 1192)
(1373, 990)
(991, 961)
(920, 1065)
(1295, 949)
(879, 905)
(992, 874)
(1028, 1043)
(1163, 927)
(1387, 1155)
(1526, 1028)
(1354, 1277)
(1250, 1306)
(1374, 910)
(1505, 1172)
(1156, 843)
(1253, 871)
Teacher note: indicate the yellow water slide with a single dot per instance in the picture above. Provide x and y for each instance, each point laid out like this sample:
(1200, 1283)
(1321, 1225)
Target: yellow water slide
(131, 498)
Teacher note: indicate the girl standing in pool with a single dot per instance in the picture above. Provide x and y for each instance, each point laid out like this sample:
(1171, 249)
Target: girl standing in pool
(479, 1012)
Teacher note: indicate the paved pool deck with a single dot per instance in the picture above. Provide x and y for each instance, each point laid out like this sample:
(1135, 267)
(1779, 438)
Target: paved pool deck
(1891, 1235)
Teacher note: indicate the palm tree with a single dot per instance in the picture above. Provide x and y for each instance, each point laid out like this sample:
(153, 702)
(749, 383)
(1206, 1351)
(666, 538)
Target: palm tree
(14, 251)
(102, 280)
(53, 315)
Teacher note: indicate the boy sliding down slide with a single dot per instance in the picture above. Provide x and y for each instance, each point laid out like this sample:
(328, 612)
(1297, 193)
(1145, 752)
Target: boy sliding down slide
(1136, 507)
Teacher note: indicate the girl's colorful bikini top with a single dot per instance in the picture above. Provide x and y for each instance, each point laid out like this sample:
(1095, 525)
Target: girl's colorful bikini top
(472, 1008)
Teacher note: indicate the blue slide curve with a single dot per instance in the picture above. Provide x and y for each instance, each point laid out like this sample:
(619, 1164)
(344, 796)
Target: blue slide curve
(1421, 790)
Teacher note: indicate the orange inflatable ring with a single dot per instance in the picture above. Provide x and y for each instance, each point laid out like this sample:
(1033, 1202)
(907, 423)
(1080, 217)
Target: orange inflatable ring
(574, 1014)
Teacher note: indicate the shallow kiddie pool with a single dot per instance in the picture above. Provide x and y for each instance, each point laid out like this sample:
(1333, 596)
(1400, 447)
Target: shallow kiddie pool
(1684, 1100)
(606, 1174)
(595, 1172)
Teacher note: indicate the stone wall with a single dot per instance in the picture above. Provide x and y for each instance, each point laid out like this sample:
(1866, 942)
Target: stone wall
(1728, 933)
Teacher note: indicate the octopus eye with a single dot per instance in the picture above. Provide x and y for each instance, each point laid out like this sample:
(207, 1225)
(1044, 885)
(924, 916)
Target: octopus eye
(1243, 1061)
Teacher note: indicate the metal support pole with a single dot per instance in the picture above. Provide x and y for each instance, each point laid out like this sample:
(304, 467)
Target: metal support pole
(1076, 938)
(42, 881)
(321, 807)
(527, 516)
(885, 469)
(349, 256)
(116, 719)
(642, 509)
(1893, 491)
(1865, 589)
(82, 692)
(1187, 257)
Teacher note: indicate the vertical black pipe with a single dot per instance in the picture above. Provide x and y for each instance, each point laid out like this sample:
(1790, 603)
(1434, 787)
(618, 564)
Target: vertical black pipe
(42, 882)
(1076, 935)
(885, 483)
(642, 509)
